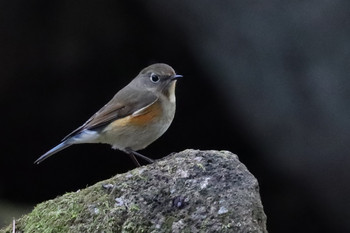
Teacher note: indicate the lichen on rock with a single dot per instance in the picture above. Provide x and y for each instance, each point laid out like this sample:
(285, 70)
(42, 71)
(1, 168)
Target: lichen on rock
(190, 191)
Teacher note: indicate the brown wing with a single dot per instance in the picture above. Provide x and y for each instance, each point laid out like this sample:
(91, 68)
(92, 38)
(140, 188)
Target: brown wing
(124, 103)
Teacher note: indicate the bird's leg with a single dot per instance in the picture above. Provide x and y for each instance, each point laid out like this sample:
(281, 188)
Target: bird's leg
(143, 157)
(132, 154)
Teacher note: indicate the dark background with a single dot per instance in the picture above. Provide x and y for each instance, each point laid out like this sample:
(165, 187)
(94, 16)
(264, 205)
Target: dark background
(267, 80)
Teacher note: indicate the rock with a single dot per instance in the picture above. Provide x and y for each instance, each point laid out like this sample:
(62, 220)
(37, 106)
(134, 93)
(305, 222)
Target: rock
(190, 191)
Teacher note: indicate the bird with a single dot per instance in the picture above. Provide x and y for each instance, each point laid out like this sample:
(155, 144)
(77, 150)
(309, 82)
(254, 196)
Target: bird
(135, 117)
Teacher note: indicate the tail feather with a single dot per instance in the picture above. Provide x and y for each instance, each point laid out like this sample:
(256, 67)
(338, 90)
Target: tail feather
(53, 151)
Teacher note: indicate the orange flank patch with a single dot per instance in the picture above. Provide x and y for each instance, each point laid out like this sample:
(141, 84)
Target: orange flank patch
(143, 118)
(120, 122)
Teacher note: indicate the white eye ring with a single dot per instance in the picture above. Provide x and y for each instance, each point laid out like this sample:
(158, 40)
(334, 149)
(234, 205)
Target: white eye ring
(154, 78)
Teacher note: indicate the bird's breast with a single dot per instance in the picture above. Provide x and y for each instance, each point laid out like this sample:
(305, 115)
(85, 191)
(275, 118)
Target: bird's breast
(140, 130)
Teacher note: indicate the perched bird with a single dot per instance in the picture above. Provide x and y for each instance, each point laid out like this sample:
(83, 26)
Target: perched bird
(134, 118)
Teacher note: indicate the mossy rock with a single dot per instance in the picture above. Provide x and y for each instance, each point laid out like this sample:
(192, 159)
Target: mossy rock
(190, 191)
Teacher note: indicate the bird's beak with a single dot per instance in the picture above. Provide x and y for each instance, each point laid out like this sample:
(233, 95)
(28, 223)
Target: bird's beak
(176, 76)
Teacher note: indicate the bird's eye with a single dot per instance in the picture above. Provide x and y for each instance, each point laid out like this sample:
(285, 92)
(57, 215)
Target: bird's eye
(154, 78)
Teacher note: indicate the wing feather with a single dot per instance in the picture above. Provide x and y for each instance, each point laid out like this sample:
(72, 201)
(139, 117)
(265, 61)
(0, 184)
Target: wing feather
(123, 104)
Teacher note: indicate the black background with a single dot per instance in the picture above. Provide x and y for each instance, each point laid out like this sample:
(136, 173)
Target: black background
(265, 80)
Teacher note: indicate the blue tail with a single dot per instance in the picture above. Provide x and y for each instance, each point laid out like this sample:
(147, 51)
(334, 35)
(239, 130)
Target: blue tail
(54, 150)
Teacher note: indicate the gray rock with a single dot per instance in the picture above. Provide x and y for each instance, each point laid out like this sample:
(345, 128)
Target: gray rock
(190, 191)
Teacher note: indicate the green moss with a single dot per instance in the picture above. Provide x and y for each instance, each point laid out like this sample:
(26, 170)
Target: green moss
(134, 207)
(134, 227)
(200, 166)
(70, 213)
(169, 222)
(142, 200)
(51, 217)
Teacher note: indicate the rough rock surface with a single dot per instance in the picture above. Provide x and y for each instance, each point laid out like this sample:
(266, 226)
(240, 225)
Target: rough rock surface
(190, 191)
